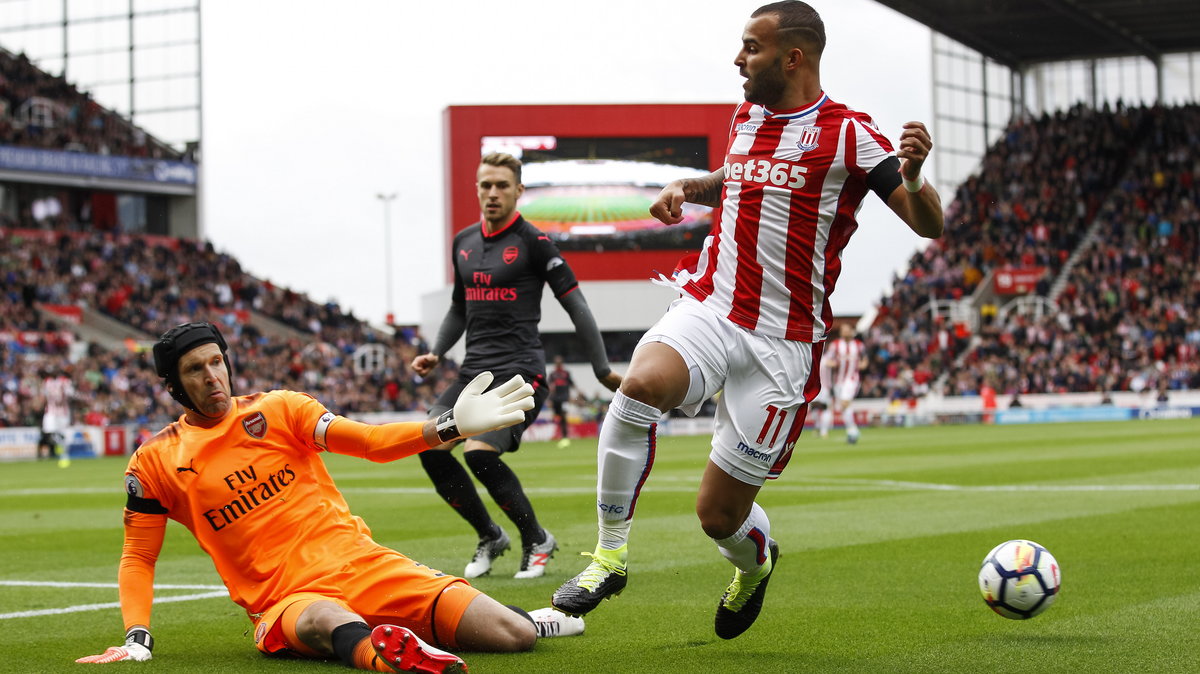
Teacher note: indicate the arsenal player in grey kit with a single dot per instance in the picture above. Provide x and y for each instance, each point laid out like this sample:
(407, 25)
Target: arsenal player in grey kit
(501, 265)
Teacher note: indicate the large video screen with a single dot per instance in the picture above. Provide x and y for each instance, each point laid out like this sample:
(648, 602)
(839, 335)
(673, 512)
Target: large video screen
(594, 194)
(590, 174)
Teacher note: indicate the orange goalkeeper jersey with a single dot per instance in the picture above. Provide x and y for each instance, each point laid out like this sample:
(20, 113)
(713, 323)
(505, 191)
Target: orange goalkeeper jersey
(254, 492)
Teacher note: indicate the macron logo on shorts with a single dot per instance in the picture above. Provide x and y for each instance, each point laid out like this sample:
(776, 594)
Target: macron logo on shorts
(754, 453)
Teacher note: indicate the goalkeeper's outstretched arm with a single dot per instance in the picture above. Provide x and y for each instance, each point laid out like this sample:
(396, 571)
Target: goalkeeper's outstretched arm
(476, 411)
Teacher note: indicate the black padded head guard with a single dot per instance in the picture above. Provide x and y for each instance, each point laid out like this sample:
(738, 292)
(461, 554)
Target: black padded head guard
(177, 341)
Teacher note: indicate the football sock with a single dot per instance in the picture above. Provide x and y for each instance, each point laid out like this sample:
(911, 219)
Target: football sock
(613, 533)
(825, 422)
(624, 458)
(505, 488)
(747, 548)
(454, 485)
(352, 644)
(848, 420)
(618, 557)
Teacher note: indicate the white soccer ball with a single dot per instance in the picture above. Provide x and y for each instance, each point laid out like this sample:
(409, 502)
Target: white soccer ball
(1019, 579)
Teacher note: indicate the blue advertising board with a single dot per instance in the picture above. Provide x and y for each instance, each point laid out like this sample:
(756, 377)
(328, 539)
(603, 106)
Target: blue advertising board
(1061, 414)
(161, 171)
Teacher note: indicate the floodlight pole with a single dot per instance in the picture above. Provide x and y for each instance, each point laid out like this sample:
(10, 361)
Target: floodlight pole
(387, 251)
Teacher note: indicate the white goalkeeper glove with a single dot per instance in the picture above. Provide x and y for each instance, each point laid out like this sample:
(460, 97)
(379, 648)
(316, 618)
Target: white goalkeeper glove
(138, 644)
(478, 412)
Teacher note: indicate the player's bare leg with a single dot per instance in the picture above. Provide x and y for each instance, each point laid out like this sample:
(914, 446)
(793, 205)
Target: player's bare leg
(488, 625)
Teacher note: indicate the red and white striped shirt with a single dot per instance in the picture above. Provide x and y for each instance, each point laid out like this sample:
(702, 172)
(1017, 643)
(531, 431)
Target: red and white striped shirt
(58, 391)
(794, 181)
(844, 356)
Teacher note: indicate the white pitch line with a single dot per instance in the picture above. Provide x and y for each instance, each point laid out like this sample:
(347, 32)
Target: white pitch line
(56, 491)
(101, 607)
(934, 486)
(213, 592)
(846, 485)
(807, 484)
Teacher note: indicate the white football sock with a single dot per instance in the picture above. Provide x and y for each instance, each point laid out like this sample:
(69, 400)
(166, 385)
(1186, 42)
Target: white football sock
(848, 421)
(825, 421)
(747, 549)
(624, 458)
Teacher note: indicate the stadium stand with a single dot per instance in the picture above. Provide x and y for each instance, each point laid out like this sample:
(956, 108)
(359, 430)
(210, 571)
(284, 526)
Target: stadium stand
(45, 111)
(78, 295)
(147, 284)
(1104, 201)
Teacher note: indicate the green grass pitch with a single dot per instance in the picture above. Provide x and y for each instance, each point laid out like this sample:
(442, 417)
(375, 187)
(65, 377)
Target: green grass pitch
(881, 543)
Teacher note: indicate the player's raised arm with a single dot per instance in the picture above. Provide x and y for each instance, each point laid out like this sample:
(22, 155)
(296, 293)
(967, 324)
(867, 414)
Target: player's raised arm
(915, 200)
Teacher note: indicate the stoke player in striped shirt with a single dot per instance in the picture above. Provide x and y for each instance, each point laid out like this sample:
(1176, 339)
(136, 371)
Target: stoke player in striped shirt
(847, 357)
(754, 312)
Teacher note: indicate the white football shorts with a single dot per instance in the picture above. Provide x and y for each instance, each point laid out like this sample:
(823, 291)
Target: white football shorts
(765, 385)
(55, 423)
(845, 391)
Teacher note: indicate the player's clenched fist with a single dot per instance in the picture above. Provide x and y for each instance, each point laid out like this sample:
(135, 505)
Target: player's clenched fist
(668, 207)
(138, 643)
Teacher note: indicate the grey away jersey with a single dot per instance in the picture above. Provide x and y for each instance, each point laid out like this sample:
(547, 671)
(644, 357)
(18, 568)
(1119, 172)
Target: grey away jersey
(498, 280)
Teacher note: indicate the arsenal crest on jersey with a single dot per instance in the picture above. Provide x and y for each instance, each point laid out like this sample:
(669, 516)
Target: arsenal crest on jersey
(808, 138)
(255, 425)
(510, 254)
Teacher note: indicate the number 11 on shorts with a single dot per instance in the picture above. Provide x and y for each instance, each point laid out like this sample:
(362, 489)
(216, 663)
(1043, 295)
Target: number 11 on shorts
(776, 418)
(773, 413)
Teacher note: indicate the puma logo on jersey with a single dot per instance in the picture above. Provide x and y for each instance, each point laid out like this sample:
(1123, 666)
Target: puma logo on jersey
(465, 253)
(187, 468)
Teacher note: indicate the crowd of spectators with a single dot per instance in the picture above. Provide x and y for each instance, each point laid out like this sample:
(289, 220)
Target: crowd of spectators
(153, 283)
(1127, 317)
(45, 111)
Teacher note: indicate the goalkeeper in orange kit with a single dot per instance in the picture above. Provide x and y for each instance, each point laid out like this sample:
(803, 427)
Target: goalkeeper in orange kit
(245, 476)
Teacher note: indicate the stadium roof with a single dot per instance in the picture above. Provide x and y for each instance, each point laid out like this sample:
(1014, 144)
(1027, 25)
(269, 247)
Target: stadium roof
(1019, 33)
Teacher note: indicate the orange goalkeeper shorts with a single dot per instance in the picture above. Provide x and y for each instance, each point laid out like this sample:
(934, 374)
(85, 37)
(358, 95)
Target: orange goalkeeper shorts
(383, 588)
